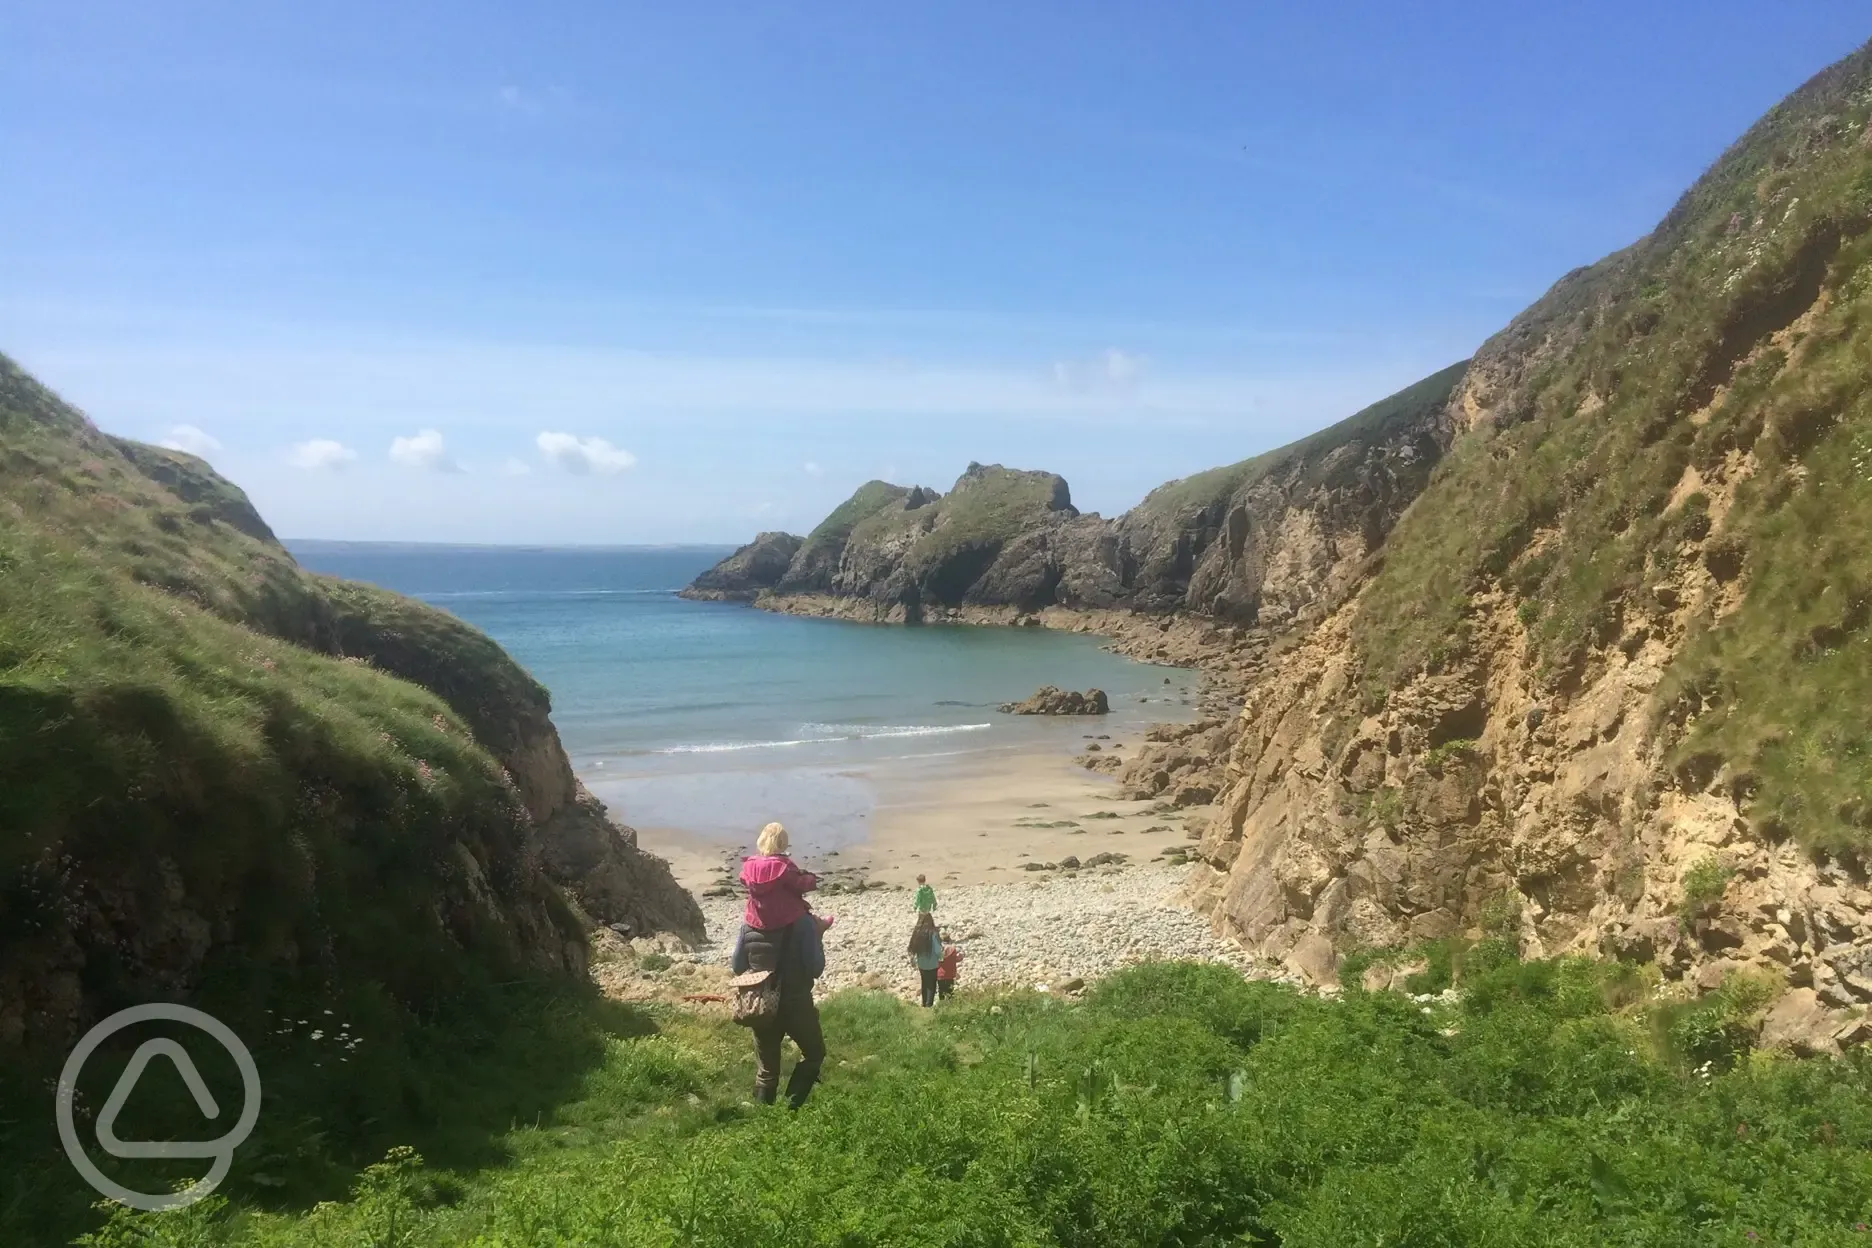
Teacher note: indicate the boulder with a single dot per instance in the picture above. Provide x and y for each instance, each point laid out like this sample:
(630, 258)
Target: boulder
(1052, 700)
(1801, 1023)
(1314, 957)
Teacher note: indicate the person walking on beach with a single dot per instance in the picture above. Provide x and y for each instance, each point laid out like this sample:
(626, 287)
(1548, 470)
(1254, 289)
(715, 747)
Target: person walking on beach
(926, 949)
(925, 896)
(776, 885)
(796, 954)
(947, 969)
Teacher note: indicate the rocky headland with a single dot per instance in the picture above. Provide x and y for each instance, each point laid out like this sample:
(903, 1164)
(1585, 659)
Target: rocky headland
(739, 578)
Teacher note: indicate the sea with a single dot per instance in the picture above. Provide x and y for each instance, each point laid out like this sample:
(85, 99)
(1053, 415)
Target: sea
(713, 718)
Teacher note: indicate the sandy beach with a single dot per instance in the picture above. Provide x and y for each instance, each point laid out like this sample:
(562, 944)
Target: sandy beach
(1012, 842)
(979, 822)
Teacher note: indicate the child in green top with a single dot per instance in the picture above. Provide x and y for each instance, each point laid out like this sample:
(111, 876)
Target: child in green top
(925, 896)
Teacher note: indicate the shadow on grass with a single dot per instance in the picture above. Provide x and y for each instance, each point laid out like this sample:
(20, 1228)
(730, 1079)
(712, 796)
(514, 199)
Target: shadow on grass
(342, 1084)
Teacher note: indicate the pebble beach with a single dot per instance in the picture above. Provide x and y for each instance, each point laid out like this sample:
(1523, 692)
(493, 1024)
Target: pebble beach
(1056, 934)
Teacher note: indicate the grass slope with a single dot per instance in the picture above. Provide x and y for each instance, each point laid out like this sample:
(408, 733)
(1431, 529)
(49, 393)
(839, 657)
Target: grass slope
(1213, 489)
(1176, 1106)
(1683, 354)
(200, 801)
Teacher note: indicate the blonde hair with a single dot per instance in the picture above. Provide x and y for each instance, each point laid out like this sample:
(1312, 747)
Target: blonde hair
(773, 840)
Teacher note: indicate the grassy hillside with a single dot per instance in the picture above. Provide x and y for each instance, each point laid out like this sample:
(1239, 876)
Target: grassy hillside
(1699, 401)
(1213, 489)
(988, 507)
(193, 782)
(201, 800)
(1176, 1106)
(818, 556)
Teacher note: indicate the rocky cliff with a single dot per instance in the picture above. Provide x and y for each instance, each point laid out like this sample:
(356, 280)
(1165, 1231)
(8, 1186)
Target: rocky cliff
(215, 765)
(1270, 540)
(1604, 686)
(750, 571)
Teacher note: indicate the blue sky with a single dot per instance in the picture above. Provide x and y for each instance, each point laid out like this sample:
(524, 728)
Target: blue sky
(647, 273)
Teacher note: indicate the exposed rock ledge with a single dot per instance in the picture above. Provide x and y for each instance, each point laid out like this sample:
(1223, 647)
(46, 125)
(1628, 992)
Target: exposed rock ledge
(1052, 700)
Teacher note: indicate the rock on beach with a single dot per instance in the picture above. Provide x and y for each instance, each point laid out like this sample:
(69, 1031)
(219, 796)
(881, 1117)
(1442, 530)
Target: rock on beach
(1052, 700)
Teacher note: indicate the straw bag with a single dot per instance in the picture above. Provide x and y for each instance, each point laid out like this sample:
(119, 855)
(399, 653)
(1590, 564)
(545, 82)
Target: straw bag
(756, 997)
(757, 991)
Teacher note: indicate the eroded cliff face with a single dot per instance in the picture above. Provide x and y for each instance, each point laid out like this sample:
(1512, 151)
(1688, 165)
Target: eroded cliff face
(1483, 788)
(1580, 697)
(1278, 539)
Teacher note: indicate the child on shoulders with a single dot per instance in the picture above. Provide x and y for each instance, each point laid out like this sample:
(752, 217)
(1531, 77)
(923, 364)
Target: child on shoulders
(776, 885)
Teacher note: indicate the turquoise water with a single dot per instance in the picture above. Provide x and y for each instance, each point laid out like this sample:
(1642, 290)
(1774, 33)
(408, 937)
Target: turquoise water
(713, 717)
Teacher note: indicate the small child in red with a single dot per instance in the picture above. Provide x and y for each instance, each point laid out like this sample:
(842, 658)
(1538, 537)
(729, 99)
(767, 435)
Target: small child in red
(946, 969)
(776, 885)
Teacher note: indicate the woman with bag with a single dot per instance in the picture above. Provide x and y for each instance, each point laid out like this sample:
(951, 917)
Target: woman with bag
(773, 980)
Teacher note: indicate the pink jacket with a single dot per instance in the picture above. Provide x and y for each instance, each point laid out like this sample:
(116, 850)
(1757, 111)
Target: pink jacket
(776, 888)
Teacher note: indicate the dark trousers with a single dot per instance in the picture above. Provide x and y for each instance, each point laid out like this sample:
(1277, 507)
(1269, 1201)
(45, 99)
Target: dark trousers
(798, 1019)
(929, 985)
(944, 987)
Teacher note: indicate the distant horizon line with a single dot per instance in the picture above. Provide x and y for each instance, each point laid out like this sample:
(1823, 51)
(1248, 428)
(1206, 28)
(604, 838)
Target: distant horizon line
(328, 542)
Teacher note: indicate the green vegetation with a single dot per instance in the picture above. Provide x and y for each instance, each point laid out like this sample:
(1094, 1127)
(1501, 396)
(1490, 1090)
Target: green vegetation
(1500, 916)
(943, 546)
(1704, 883)
(1213, 489)
(200, 793)
(1442, 756)
(1735, 340)
(818, 555)
(1176, 1106)
(1385, 806)
(988, 506)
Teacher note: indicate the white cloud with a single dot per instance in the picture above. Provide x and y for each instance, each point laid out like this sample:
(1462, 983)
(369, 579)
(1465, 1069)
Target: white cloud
(321, 453)
(1122, 367)
(1110, 369)
(425, 450)
(192, 440)
(515, 99)
(514, 467)
(585, 455)
(812, 468)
